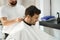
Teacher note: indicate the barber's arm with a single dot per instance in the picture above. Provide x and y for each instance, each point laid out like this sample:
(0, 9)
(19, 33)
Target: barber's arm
(6, 22)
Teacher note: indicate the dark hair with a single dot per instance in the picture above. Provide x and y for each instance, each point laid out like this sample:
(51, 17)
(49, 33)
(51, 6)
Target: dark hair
(32, 10)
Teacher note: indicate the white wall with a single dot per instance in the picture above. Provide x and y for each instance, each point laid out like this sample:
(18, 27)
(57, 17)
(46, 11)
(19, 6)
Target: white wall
(55, 7)
(27, 3)
(46, 7)
(1, 2)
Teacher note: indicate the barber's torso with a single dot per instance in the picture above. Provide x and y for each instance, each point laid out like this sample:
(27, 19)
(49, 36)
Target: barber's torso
(13, 12)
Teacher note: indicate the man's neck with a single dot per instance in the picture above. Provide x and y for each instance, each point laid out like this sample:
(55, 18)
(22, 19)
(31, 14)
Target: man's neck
(27, 22)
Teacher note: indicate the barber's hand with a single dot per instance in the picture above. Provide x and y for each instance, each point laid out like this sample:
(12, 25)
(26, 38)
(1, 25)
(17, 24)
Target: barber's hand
(19, 19)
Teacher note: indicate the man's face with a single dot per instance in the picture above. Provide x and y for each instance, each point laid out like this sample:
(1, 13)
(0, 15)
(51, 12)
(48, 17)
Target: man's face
(34, 19)
(13, 2)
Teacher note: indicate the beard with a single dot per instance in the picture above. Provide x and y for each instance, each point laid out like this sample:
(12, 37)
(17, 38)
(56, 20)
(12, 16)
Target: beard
(33, 23)
(13, 3)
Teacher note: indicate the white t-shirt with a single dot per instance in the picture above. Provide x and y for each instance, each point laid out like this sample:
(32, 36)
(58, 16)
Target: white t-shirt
(12, 13)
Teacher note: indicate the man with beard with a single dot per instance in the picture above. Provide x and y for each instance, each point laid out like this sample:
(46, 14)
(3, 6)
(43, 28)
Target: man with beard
(11, 15)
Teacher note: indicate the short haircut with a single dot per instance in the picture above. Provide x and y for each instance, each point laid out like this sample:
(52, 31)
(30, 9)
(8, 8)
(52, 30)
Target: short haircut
(31, 10)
